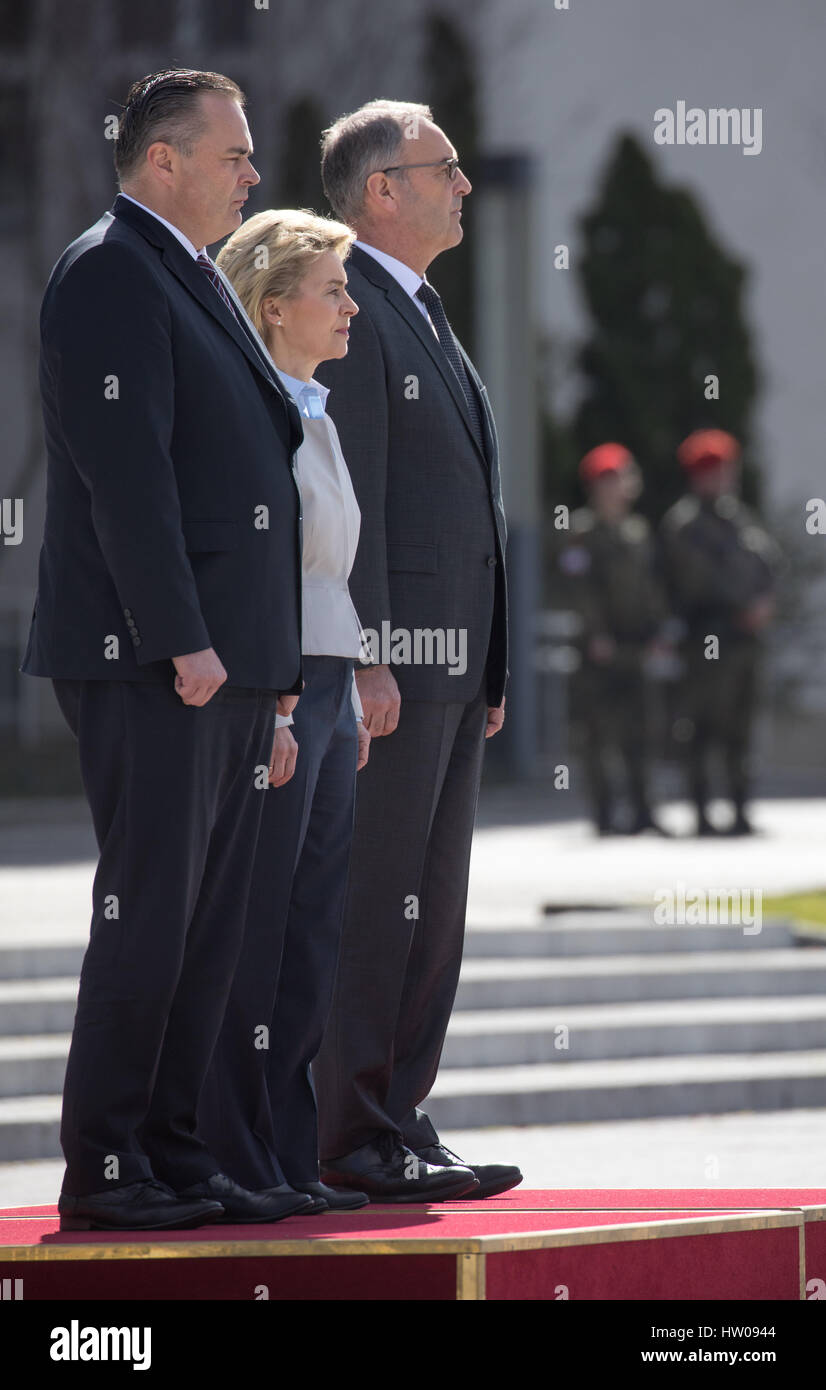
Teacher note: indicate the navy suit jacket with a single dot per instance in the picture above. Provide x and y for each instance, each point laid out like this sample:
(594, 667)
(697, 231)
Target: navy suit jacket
(172, 513)
(432, 544)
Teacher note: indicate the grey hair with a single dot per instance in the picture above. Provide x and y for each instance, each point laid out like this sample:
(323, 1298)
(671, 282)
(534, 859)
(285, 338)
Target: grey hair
(358, 144)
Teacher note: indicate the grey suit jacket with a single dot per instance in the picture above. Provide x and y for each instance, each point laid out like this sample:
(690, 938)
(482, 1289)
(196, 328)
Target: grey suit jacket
(432, 545)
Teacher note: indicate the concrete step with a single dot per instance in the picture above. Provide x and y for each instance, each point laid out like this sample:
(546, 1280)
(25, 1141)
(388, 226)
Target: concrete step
(33, 1065)
(47, 1005)
(580, 1033)
(535, 983)
(29, 1128)
(37, 1006)
(41, 960)
(559, 934)
(626, 1090)
(607, 934)
(543, 1094)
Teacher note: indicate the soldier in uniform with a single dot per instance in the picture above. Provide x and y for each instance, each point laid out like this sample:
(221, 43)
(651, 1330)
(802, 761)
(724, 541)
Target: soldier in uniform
(607, 566)
(719, 566)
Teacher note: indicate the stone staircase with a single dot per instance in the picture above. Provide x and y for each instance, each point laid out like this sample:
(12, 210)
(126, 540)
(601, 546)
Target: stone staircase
(577, 1016)
(604, 1016)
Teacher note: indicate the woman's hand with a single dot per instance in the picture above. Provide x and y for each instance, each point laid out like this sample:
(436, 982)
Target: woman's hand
(284, 754)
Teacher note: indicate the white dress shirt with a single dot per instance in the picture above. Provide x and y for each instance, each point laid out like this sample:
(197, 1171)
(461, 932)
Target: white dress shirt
(332, 519)
(176, 231)
(409, 279)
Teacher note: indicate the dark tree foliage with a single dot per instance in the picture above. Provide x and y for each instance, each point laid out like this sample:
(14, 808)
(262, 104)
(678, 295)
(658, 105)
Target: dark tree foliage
(665, 302)
(299, 184)
(451, 93)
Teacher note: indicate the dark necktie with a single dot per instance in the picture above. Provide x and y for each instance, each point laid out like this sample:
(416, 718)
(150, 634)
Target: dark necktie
(214, 278)
(433, 304)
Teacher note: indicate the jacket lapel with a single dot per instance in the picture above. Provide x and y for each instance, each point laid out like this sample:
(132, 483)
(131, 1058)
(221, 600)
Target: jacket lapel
(404, 305)
(242, 331)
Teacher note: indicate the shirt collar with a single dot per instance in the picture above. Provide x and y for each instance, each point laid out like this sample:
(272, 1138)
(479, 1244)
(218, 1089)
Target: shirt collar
(176, 232)
(297, 387)
(409, 279)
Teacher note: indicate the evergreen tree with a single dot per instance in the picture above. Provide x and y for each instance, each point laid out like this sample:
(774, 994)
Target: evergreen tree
(666, 308)
(300, 183)
(448, 64)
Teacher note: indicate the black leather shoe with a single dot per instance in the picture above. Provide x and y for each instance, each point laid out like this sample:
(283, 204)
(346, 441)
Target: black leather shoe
(137, 1206)
(331, 1198)
(492, 1178)
(240, 1206)
(286, 1189)
(389, 1172)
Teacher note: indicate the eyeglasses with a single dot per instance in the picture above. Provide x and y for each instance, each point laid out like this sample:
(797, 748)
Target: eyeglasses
(449, 165)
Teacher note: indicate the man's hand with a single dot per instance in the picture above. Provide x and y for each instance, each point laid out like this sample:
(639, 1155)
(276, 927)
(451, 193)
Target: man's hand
(380, 700)
(364, 745)
(283, 756)
(496, 718)
(286, 703)
(200, 674)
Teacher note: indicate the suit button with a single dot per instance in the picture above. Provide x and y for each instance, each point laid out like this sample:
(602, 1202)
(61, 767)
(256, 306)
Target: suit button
(127, 612)
(491, 561)
(136, 641)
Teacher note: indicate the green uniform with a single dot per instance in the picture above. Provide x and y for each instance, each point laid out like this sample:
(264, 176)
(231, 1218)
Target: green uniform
(608, 579)
(716, 560)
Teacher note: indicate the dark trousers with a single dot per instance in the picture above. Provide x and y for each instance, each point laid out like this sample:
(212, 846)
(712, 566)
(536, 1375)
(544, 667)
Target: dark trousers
(718, 699)
(258, 1108)
(610, 713)
(404, 926)
(172, 791)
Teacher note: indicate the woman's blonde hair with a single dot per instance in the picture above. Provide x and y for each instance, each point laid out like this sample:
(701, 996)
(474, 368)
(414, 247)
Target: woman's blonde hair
(272, 252)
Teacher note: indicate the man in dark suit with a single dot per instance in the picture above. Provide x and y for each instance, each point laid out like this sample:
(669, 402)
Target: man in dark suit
(168, 617)
(429, 586)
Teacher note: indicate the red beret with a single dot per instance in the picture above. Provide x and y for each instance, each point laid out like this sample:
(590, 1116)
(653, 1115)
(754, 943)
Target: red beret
(707, 448)
(605, 458)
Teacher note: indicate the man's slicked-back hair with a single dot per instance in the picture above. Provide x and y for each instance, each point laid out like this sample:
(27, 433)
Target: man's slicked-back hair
(165, 106)
(358, 144)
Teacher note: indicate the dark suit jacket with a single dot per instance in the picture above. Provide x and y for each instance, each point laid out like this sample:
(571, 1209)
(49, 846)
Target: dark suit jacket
(432, 543)
(170, 443)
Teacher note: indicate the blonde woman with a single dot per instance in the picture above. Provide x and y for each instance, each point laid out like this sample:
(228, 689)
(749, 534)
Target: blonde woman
(258, 1106)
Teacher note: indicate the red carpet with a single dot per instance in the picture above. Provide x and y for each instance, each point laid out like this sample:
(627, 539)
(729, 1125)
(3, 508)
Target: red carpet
(525, 1245)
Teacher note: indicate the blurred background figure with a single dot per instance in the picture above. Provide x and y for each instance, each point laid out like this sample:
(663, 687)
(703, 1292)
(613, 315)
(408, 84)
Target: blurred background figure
(607, 567)
(720, 568)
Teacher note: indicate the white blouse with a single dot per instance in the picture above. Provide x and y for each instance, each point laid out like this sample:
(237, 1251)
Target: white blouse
(332, 519)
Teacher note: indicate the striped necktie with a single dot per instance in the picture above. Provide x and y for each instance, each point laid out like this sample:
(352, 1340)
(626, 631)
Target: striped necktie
(215, 280)
(433, 304)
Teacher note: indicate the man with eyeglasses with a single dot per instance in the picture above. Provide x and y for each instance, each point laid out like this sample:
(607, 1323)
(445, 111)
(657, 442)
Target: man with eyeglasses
(418, 435)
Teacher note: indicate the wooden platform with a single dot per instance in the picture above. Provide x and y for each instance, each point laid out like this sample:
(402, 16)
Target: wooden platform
(526, 1245)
